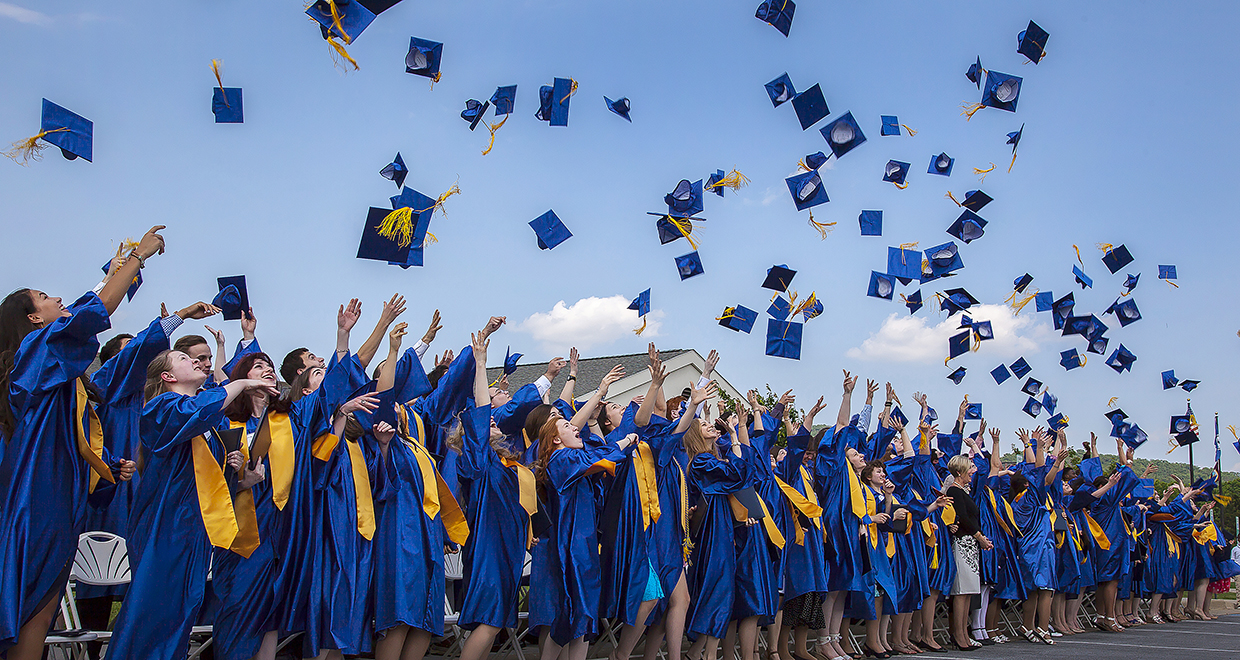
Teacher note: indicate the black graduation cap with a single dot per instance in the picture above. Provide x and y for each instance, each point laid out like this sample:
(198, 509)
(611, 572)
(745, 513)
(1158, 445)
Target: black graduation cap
(896, 172)
(956, 300)
(395, 171)
(1032, 386)
(1116, 258)
(778, 14)
(968, 227)
(233, 313)
(230, 438)
(377, 7)
(1021, 282)
(1031, 42)
(974, 200)
(778, 278)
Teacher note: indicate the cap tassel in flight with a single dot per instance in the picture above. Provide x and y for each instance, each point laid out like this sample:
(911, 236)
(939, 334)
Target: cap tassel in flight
(492, 128)
(638, 331)
(823, 227)
(1018, 304)
(970, 109)
(215, 68)
(24, 151)
(398, 226)
(685, 227)
(1078, 254)
(571, 90)
(341, 53)
(981, 173)
(735, 180)
(952, 197)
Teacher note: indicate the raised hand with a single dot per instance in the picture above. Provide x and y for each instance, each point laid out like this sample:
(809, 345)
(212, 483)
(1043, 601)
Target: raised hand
(397, 336)
(163, 311)
(788, 399)
(198, 310)
(152, 243)
(348, 315)
(554, 366)
(493, 324)
(392, 310)
(1023, 435)
(433, 329)
(994, 435)
(850, 382)
(479, 344)
(652, 352)
(368, 402)
(572, 361)
(871, 386)
(249, 323)
(920, 399)
(658, 373)
(711, 361)
(616, 373)
(891, 394)
(447, 359)
(383, 433)
(219, 336)
(697, 396)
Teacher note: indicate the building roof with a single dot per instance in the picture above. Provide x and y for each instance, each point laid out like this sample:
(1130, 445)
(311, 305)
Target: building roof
(590, 371)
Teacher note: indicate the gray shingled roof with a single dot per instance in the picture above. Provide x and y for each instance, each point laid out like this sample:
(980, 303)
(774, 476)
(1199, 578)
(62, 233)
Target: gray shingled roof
(590, 371)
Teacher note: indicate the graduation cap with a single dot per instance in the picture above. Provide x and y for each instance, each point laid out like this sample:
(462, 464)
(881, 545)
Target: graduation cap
(234, 305)
(423, 58)
(974, 74)
(807, 190)
(1169, 380)
(407, 225)
(1071, 359)
(1130, 282)
(974, 200)
(1189, 385)
(1181, 423)
(1186, 438)
(1133, 436)
(1121, 360)
(810, 106)
(783, 339)
(1115, 416)
(968, 227)
(510, 361)
(1000, 91)
(957, 375)
(1000, 374)
(1014, 140)
(73, 133)
(375, 245)
(781, 90)
(641, 303)
(778, 278)
(956, 300)
(1044, 301)
(474, 111)
(872, 225)
(982, 331)
(685, 200)
(550, 230)
(1081, 278)
(738, 319)
(619, 106)
(777, 14)
(1116, 258)
(1020, 283)
(671, 229)
(943, 259)
(395, 171)
(843, 135)
(898, 417)
(378, 7)
(504, 99)
(882, 285)
(1020, 367)
(689, 265)
(1031, 387)
(1049, 402)
(958, 345)
(1097, 345)
(1062, 309)
(811, 308)
(343, 20)
(896, 172)
(1031, 42)
(913, 302)
(553, 101)
(133, 286)
(1057, 421)
(230, 438)
(1032, 407)
(1126, 311)
(780, 308)
(891, 125)
(903, 264)
(1164, 272)
(941, 164)
(226, 105)
(973, 411)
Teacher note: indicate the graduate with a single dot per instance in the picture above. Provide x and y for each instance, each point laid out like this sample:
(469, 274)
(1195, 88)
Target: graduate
(1030, 498)
(54, 454)
(940, 560)
(1000, 567)
(877, 597)
(187, 503)
(1115, 561)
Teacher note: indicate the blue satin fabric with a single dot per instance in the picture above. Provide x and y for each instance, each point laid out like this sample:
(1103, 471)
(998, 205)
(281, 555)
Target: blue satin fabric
(668, 533)
(169, 552)
(1014, 582)
(121, 381)
(43, 479)
(759, 562)
(861, 603)
(566, 579)
(840, 528)
(712, 565)
(1037, 541)
(988, 560)
(805, 569)
(908, 566)
(927, 480)
(1116, 562)
(1162, 569)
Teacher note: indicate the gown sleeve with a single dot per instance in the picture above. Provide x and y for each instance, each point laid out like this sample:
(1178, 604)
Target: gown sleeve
(476, 451)
(510, 417)
(171, 419)
(568, 466)
(124, 376)
(451, 392)
(411, 381)
(243, 349)
(58, 353)
(715, 476)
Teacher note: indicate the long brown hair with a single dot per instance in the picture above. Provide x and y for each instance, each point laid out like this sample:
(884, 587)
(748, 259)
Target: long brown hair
(242, 407)
(547, 435)
(15, 324)
(155, 384)
(696, 441)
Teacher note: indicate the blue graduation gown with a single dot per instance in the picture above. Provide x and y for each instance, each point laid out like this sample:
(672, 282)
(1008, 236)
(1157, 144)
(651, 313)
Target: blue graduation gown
(759, 562)
(940, 561)
(1014, 580)
(805, 569)
(712, 564)
(121, 381)
(1117, 561)
(1037, 542)
(912, 575)
(670, 532)
(1162, 563)
(565, 579)
(169, 551)
(43, 479)
(1067, 544)
(840, 526)
(880, 576)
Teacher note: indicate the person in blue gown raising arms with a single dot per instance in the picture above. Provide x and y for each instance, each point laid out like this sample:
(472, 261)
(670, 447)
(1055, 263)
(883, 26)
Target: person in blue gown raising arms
(186, 504)
(1031, 502)
(54, 455)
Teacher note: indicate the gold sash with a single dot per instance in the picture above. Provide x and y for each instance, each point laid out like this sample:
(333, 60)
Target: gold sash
(768, 523)
(437, 498)
(279, 442)
(1096, 530)
(90, 449)
(1206, 535)
(361, 490)
(647, 486)
(803, 504)
(527, 495)
(229, 524)
(324, 445)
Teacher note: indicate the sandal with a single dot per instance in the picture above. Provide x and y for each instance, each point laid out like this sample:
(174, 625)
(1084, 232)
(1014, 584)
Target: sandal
(1044, 636)
(1028, 635)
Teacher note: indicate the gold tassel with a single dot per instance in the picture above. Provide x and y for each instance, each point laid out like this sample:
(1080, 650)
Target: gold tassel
(969, 109)
(907, 246)
(1106, 248)
(344, 54)
(801, 164)
(571, 90)
(1178, 286)
(438, 205)
(24, 151)
(638, 331)
(215, 67)
(911, 132)
(398, 226)
(336, 22)
(952, 197)
(734, 180)
(728, 313)
(1078, 254)
(822, 227)
(430, 238)
(1111, 401)
(685, 227)
(981, 173)
(901, 186)
(1012, 163)
(493, 128)
(435, 78)
(1018, 305)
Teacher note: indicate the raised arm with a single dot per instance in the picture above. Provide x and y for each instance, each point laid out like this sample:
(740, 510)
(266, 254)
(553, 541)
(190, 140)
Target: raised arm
(218, 373)
(392, 310)
(697, 397)
(387, 373)
(583, 416)
(927, 432)
(658, 373)
(841, 420)
(996, 454)
(118, 283)
(807, 420)
(479, 343)
(758, 424)
(346, 318)
(570, 385)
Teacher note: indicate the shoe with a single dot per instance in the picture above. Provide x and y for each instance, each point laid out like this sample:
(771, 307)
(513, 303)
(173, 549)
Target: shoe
(926, 647)
(1044, 636)
(882, 655)
(986, 642)
(1053, 632)
(959, 647)
(1028, 635)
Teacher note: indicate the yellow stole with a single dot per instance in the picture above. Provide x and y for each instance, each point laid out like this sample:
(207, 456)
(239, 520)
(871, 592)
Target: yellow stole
(768, 523)
(279, 454)
(647, 486)
(928, 538)
(437, 498)
(1095, 530)
(871, 510)
(1205, 536)
(527, 495)
(230, 524)
(90, 448)
(322, 449)
(807, 505)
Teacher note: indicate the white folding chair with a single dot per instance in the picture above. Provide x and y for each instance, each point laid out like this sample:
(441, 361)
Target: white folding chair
(102, 560)
(76, 639)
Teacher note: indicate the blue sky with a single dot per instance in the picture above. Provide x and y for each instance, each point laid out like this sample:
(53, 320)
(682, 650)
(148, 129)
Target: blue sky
(1126, 141)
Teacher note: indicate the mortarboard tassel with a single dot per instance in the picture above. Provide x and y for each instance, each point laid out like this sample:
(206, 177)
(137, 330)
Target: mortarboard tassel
(1013, 161)
(822, 227)
(438, 205)
(952, 197)
(430, 239)
(969, 109)
(24, 151)
(730, 313)
(398, 226)
(571, 90)
(901, 186)
(803, 167)
(638, 331)
(336, 22)
(1018, 305)
(1106, 248)
(907, 246)
(493, 127)
(734, 180)
(1111, 401)
(215, 67)
(344, 54)
(685, 228)
(981, 173)
(1078, 254)
(911, 132)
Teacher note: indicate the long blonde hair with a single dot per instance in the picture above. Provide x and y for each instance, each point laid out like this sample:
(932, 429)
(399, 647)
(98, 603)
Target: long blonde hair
(155, 384)
(696, 441)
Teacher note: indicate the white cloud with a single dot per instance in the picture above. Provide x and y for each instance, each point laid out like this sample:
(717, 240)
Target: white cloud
(23, 15)
(904, 338)
(587, 323)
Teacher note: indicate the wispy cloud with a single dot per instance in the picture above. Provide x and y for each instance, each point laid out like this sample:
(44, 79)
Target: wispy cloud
(904, 338)
(587, 323)
(23, 15)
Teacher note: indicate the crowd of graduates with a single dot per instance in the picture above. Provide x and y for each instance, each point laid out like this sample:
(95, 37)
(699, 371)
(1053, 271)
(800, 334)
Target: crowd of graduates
(325, 507)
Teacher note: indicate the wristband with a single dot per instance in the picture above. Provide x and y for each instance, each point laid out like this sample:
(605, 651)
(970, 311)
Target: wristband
(887, 405)
(572, 378)
(141, 261)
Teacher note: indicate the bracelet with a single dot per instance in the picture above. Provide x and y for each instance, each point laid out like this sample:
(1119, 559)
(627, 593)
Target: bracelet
(572, 378)
(887, 405)
(141, 261)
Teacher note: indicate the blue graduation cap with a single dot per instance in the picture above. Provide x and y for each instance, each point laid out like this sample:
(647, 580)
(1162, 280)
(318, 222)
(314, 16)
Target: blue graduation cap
(810, 106)
(882, 285)
(421, 209)
(550, 230)
(1126, 311)
(898, 417)
(777, 13)
(553, 101)
(510, 361)
(807, 190)
(685, 200)
(958, 345)
(843, 135)
(781, 90)
(738, 319)
(1000, 374)
(974, 74)
(957, 375)
(713, 185)
(812, 308)
(235, 303)
(974, 200)
(982, 331)
(913, 302)
(1021, 283)
(641, 303)
(1032, 386)
(1121, 360)
(1013, 139)
(1062, 309)
(1057, 421)
(1189, 385)
(891, 125)
(1049, 402)
(956, 300)
(474, 111)
(504, 99)
(1081, 278)
(1166, 272)
(949, 443)
(943, 259)
(895, 172)
(904, 265)
(872, 225)
(1144, 489)
(1169, 380)
(380, 241)
(1071, 359)
(815, 160)
(73, 133)
(354, 18)
(423, 58)
(1115, 416)
(778, 278)
(1044, 301)
(1097, 345)
(395, 171)
(1031, 42)
(968, 227)
(780, 308)
(1130, 282)
(1117, 258)
(671, 229)
(973, 411)
(226, 105)
(619, 106)
(1181, 423)
(1134, 437)
(689, 265)
(1001, 91)
(1032, 407)
(941, 164)
(1020, 367)
(783, 339)
(133, 286)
